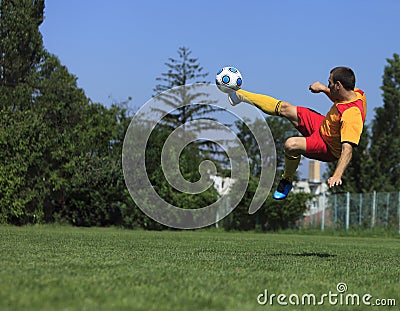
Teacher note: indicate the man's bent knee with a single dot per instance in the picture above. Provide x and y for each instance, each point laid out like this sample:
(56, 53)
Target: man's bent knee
(295, 145)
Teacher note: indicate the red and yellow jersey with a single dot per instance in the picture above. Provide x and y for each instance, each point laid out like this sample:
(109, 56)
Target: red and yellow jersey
(344, 123)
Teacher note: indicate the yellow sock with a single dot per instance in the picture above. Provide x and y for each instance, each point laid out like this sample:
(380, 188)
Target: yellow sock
(268, 104)
(291, 165)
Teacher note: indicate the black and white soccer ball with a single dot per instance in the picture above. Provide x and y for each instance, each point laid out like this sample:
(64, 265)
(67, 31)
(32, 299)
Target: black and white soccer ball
(228, 79)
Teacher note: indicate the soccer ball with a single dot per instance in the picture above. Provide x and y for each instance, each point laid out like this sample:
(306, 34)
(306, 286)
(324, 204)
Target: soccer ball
(228, 79)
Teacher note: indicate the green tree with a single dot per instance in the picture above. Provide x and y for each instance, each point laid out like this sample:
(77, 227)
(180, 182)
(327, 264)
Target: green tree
(20, 39)
(21, 130)
(59, 152)
(81, 162)
(21, 187)
(385, 144)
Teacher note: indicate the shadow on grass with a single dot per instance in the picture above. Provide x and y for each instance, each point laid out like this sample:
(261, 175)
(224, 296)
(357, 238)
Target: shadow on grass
(305, 254)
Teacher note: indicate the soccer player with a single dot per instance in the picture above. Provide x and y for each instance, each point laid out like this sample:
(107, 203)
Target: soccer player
(325, 138)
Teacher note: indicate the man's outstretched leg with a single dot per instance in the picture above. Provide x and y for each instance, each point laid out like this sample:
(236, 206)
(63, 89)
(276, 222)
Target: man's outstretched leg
(268, 104)
(294, 146)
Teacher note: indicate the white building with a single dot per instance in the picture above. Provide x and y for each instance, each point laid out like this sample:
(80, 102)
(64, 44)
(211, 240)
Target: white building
(222, 184)
(313, 185)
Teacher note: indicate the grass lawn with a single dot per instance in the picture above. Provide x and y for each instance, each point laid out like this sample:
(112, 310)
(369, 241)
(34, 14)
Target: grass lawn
(65, 268)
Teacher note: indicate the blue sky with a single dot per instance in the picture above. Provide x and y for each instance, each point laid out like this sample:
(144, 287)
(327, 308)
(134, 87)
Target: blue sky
(118, 48)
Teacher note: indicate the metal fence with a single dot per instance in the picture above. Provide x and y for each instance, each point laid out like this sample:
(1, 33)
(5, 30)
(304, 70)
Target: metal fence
(354, 210)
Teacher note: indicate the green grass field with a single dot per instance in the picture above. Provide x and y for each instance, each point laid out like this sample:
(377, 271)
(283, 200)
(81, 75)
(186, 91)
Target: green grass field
(64, 268)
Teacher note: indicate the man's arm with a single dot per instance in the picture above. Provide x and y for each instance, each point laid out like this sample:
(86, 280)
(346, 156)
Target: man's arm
(343, 162)
(318, 87)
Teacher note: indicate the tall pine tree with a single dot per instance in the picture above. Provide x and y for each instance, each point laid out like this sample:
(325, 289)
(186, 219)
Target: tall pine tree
(179, 89)
(385, 145)
(183, 72)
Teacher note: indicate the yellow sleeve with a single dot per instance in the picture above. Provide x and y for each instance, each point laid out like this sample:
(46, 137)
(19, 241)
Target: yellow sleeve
(352, 126)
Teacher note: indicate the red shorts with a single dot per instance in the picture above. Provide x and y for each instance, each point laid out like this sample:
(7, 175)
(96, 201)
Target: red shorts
(309, 124)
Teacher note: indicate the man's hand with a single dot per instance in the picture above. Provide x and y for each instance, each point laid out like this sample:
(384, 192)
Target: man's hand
(343, 162)
(334, 181)
(318, 87)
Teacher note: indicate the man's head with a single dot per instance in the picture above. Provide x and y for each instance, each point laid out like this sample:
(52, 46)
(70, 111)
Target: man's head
(341, 81)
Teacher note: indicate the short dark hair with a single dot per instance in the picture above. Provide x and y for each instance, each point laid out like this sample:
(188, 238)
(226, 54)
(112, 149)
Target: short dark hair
(345, 76)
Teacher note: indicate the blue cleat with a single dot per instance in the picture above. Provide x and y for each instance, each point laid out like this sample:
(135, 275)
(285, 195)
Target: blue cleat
(283, 190)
